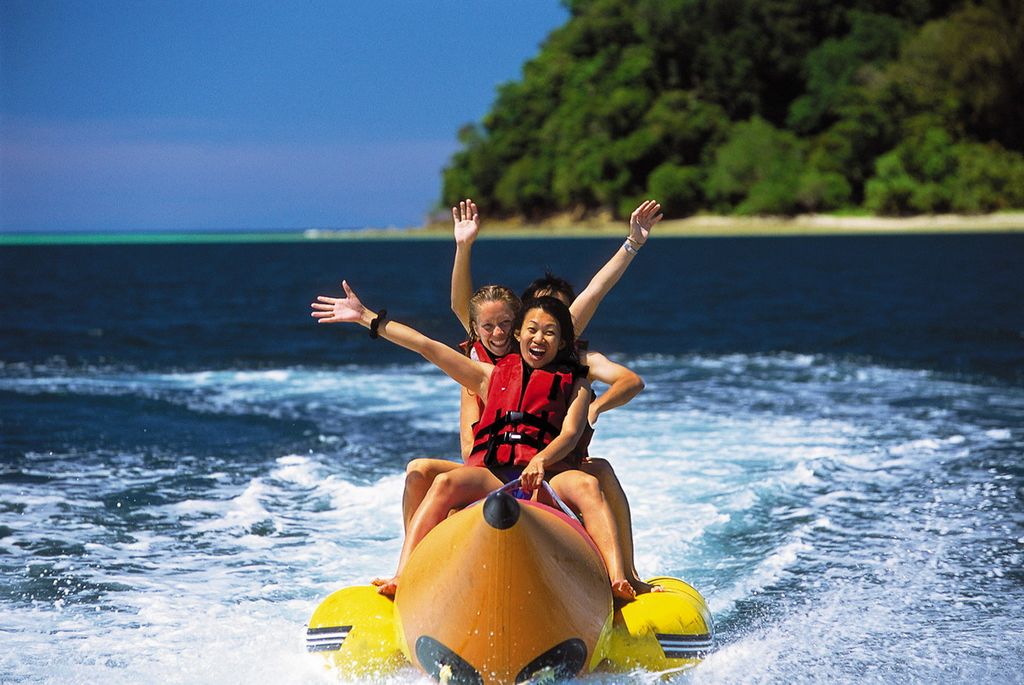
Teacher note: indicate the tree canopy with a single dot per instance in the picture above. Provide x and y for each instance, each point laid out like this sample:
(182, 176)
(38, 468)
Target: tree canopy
(758, 107)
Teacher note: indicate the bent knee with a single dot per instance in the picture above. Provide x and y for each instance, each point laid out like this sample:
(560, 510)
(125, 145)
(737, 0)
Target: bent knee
(584, 486)
(422, 468)
(443, 483)
(602, 470)
(416, 467)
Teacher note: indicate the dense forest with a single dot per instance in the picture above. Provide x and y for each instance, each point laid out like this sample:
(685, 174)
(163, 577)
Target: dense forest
(758, 107)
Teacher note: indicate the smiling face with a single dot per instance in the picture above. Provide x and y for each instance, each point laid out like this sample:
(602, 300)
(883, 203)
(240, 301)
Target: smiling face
(540, 338)
(493, 325)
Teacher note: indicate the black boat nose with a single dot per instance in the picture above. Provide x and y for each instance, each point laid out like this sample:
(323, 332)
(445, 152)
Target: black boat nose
(501, 510)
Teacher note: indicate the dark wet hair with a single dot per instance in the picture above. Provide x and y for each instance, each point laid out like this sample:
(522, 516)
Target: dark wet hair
(559, 310)
(550, 284)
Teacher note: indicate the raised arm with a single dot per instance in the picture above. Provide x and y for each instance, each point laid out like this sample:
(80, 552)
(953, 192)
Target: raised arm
(467, 224)
(556, 450)
(467, 372)
(623, 384)
(641, 222)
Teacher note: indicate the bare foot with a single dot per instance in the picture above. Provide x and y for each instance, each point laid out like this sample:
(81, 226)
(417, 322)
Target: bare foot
(388, 588)
(621, 589)
(377, 582)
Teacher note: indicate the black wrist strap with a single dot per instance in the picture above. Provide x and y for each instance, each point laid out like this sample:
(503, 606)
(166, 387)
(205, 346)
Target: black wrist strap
(375, 324)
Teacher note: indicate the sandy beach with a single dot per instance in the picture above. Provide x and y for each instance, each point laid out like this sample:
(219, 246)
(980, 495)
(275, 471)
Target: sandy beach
(701, 226)
(704, 226)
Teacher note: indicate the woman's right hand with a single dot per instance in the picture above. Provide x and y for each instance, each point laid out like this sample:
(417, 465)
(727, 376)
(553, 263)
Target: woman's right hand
(467, 222)
(338, 309)
(532, 476)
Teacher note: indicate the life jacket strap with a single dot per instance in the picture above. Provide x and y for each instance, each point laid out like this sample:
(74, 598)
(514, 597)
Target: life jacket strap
(509, 438)
(513, 418)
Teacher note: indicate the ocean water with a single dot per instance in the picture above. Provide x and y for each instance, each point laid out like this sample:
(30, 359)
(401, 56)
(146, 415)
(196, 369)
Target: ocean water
(830, 448)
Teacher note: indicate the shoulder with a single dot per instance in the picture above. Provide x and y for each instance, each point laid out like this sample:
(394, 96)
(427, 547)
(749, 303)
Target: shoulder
(600, 367)
(569, 369)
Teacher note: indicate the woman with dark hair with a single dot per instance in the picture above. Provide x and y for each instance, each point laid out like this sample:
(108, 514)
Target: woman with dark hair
(623, 384)
(536, 409)
(487, 315)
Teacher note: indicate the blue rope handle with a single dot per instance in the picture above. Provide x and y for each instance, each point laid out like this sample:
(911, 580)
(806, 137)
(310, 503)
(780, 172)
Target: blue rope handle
(513, 484)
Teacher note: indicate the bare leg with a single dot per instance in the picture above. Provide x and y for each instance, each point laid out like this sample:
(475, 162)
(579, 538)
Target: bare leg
(456, 488)
(419, 474)
(619, 505)
(583, 493)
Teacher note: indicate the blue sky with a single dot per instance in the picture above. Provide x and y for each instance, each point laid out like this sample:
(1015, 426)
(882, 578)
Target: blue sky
(187, 115)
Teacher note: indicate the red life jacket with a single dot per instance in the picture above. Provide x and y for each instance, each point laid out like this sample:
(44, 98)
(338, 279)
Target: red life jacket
(522, 414)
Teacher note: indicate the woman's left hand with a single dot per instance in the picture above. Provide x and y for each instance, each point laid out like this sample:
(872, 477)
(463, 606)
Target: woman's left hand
(532, 476)
(338, 309)
(642, 221)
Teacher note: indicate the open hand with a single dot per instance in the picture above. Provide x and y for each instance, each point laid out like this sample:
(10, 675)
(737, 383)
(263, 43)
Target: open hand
(467, 222)
(338, 309)
(642, 220)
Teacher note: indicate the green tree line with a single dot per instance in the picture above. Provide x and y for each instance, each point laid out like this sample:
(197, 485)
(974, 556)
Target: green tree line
(758, 107)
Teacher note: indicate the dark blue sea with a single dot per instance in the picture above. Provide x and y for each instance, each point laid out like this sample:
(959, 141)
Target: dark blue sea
(830, 448)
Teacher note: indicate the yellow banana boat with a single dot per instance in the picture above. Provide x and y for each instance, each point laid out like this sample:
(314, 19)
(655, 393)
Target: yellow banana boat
(509, 591)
